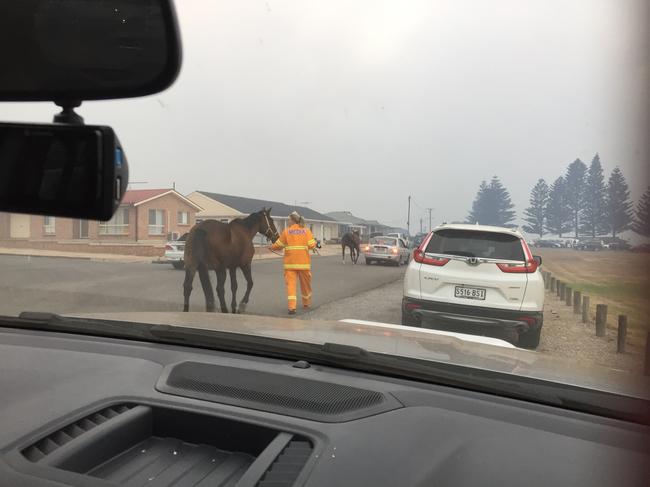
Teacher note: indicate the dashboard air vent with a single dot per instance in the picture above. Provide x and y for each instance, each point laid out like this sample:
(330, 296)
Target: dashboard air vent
(50, 443)
(284, 471)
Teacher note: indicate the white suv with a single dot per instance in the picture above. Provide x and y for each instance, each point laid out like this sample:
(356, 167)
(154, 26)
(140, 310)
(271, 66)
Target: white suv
(475, 276)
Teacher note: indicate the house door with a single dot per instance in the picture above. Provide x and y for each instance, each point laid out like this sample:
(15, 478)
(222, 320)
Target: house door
(19, 226)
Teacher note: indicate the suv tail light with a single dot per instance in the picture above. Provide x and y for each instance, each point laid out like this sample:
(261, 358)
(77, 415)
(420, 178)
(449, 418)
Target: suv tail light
(169, 247)
(420, 257)
(527, 267)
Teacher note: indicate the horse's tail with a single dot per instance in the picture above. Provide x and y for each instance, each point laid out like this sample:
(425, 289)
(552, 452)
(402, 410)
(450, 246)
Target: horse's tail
(199, 247)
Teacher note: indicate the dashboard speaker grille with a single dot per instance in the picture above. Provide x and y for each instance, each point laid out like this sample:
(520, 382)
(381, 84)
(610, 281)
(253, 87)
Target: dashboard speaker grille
(289, 395)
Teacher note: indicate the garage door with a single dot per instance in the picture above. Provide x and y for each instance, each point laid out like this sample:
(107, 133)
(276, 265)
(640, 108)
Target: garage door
(19, 226)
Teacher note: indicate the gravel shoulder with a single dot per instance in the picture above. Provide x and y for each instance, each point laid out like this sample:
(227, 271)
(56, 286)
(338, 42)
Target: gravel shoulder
(563, 335)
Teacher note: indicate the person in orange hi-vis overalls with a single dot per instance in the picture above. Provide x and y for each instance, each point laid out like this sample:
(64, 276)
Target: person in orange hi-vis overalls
(296, 241)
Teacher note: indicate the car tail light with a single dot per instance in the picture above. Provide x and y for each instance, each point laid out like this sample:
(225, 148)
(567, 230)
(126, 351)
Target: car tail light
(169, 247)
(420, 257)
(531, 320)
(527, 267)
(412, 306)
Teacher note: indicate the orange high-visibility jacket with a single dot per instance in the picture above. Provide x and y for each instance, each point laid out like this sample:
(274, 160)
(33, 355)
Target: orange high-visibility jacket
(296, 241)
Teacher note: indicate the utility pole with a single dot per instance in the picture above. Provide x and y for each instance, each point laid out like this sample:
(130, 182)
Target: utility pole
(408, 218)
(421, 226)
(430, 209)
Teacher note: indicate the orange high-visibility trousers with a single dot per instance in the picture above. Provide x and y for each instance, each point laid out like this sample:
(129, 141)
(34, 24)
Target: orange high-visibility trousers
(290, 278)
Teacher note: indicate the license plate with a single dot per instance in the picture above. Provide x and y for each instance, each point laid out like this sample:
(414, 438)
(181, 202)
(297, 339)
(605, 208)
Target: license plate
(380, 250)
(469, 292)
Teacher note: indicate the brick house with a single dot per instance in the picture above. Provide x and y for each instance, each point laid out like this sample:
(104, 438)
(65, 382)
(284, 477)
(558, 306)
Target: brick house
(145, 216)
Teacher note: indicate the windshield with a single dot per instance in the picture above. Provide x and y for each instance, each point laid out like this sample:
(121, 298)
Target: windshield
(383, 241)
(300, 134)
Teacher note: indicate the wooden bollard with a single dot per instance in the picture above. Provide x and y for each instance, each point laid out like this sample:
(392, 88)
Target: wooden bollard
(568, 296)
(577, 302)
(622, 334)
(547, 280)
(552, 284)
(647, 354)
(585, 309)
(601, 319)
(560, 289)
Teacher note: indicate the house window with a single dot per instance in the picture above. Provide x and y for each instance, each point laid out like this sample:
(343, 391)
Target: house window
(49, 225)
(118, 225)
(183, 217)
(156, 222)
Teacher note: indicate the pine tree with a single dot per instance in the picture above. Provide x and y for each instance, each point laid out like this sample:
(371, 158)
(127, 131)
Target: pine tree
(478, 214)
(558, 213)
(594, 211)
(504, 214)
(575, 190)
(641, 223)
(492, 205)
(535, 214)
(618, 204)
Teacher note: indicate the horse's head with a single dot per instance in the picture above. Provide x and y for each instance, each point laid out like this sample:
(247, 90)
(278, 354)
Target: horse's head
(267, 225)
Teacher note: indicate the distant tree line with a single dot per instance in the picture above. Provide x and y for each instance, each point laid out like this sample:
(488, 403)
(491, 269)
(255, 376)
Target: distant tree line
(579, 202)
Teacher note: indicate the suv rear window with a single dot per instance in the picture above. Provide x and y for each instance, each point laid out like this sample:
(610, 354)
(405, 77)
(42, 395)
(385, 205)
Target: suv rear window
(474, 243)
(383, 241)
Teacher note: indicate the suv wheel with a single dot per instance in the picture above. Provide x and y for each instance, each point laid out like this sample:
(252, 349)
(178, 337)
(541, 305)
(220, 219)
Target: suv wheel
(530, 339)
(179, 265)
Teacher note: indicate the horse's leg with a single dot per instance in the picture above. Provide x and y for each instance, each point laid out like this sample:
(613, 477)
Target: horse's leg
(221, 291)
(343, 249)
(187, 287)
(204, 276)
(233, 288)
(248, 275)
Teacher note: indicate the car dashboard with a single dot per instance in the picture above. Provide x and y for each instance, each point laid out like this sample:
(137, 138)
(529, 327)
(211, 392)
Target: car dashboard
(91, 411)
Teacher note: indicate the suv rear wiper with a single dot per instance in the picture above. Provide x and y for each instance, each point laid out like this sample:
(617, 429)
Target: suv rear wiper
(351, 357)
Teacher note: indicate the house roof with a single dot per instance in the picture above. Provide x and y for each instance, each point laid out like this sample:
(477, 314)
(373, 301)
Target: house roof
(251, 205)
(346, 217)
(137, 197)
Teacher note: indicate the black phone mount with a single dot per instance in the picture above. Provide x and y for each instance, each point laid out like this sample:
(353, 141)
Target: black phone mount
(67, 114)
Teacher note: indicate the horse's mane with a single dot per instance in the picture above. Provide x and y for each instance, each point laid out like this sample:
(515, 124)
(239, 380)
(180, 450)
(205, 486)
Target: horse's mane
(250, 220)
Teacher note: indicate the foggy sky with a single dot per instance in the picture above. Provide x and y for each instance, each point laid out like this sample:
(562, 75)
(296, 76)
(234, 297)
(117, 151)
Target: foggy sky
(356, 105)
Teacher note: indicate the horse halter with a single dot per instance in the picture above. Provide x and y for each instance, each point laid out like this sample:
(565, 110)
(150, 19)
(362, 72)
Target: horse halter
(274, 234)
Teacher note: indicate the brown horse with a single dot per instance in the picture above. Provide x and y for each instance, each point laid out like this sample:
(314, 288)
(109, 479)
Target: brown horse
(353, 241)
(217, 246)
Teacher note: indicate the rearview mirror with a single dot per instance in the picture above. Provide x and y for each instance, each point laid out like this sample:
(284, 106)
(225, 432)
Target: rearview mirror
(77, 171)
(87, 50)
(538, 259)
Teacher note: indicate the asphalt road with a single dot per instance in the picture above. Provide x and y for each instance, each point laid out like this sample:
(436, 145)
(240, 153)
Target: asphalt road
(76, 286)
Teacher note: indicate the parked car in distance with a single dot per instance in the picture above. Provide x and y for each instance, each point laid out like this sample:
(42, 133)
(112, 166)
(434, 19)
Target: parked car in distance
(417, 240)
(479, 277)
(641, 248)
(549, 244)
(402, 236)
(615, 243)
(175, 252)
(590, 245)
(386, 249)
